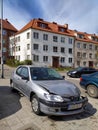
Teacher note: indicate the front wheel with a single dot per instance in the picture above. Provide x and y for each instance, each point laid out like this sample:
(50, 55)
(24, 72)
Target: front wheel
(35, 105)
(92, 91)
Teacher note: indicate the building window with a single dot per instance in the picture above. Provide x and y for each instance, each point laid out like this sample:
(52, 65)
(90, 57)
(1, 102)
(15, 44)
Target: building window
(18, 58)
(62, 59)
(28, 35)
(62, 39)
(78, 63)
(42, 25)
(55, 49)
(4, 41)
(70, 50)
(17, 48)
(4, 32)
(80, 36)
(70, 60)
(84, 46)
(28, 46)
(78, 45)
(70, 40)
(62, 50)
(96, 47)
(84, 55)
(78, 54)
(4, 49)
(45, 37)
(28, 57)
(18, 38)
(55, 38)
(35, 46)
(45, 58)
(36, 35)
(35, 58)
(90, 47)
(61, 29)
(90, 55)
(84, 63)
(45, 47)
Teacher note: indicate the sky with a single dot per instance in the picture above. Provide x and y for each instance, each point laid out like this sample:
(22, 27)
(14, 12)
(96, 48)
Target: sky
(81, 15)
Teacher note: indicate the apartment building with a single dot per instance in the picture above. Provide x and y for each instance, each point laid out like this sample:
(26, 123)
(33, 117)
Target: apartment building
(8, 30)
(45, 43)
(86, 49)
(51, 44)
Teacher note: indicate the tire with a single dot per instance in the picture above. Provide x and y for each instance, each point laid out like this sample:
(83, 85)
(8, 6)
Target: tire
(92, 91)
(35, 105)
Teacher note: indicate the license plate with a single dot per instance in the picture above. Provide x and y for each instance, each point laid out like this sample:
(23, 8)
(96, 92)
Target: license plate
(74, 106)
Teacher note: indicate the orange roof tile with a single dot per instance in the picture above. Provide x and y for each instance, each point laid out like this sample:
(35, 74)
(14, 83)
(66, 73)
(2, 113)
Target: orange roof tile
(85, 38)
(51, 27)
(7, 25)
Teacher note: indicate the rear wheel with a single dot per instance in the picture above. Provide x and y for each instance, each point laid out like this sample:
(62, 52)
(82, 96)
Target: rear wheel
(92, 90)
(35, 105)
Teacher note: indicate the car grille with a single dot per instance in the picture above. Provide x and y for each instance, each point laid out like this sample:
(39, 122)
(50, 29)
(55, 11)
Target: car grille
(72, 98)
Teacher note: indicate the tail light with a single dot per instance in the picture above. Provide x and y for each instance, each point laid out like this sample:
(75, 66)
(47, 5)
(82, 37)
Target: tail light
(80, 78)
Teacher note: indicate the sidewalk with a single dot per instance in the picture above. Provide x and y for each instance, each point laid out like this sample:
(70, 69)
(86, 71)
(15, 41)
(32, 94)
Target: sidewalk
(7, 71)
(15, 110)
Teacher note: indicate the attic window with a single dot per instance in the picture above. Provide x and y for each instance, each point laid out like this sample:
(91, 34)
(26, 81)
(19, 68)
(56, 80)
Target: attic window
(80, 36)
(61, 29)
(95, 39)
(42, 25)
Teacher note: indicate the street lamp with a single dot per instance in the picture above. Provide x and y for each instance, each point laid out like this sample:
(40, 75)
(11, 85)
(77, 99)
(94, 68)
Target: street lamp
(2, 68)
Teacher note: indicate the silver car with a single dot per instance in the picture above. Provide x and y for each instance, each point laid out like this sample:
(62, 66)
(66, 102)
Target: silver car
(48, 91)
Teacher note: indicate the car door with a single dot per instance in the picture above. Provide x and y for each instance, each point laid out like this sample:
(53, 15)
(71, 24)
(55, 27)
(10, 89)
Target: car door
(91, 70)
(85, 71)
(24, 81)
(17, 78)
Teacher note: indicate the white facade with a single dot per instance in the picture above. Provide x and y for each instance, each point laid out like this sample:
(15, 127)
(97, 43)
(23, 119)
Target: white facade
(43, 51)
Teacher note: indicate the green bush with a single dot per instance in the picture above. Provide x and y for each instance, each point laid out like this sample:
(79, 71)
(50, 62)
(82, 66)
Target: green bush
(14, 62)
(28, 62)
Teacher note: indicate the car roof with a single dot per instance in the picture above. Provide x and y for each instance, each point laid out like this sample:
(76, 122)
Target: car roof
(29, 66)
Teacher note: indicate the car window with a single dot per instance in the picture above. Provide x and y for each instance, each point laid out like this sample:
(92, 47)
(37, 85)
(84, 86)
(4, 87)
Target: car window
(44, 74)
(91, 69)
(95, 75)
(85, 69)
(24, 72)
(18, 71)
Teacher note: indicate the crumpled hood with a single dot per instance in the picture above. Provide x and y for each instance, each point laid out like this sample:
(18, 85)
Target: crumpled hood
(60, 87)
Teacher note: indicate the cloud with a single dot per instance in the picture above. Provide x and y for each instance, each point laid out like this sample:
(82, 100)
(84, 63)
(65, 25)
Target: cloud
(79, 14)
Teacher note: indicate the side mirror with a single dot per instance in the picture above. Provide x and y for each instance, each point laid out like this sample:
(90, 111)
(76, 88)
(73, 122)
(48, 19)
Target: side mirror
(25, 78)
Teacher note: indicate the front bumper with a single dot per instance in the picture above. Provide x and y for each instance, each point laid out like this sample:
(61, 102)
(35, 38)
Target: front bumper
(70, 108)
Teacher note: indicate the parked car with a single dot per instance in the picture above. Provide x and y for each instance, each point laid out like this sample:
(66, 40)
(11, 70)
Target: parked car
(90, 83)
(48, 91)
(76, 73)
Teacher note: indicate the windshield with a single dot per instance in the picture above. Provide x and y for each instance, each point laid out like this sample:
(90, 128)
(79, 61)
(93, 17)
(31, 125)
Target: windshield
(44, 74)
(79, 68)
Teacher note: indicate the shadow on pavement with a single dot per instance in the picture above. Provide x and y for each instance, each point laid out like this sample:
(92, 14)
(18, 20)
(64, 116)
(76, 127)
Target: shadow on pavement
(89, 112)
(9, 102)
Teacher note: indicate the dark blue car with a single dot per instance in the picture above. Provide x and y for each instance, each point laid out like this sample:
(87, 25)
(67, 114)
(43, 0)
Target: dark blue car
(76, 73)
(90, 83)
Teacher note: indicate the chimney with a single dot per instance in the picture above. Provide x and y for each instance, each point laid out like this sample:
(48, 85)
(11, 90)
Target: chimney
(6, 19)
(66, 26)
